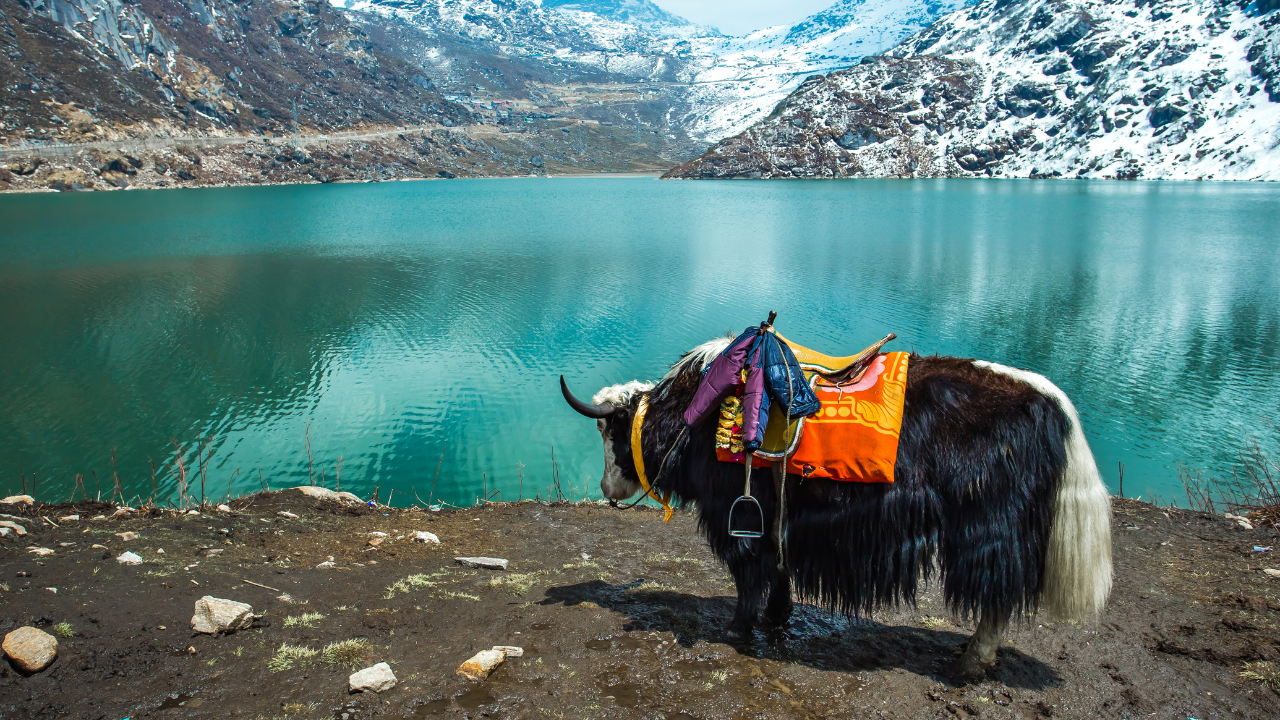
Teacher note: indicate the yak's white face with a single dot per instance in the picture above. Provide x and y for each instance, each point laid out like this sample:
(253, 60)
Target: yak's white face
(613, 484)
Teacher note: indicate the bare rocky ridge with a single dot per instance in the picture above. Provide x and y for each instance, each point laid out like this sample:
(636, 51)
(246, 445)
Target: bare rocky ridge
(1179, 89)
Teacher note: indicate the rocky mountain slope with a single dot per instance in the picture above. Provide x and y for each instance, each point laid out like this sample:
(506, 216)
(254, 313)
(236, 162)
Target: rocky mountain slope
(85, 70)
(745, 78)
(1180, 89)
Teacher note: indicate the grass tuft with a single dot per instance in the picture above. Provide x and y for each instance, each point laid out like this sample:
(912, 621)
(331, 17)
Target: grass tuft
(305, 620)
(413, 582)
(355, 651)
(288, 656)
(935, 623)
(64, 630)
(517, 583)
(1264, 672)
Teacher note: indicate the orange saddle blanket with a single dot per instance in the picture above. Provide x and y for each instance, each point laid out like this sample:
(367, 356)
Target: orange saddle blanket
(854, 437)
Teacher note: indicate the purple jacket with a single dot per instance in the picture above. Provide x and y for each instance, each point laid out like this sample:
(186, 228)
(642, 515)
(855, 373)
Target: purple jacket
(722, 378)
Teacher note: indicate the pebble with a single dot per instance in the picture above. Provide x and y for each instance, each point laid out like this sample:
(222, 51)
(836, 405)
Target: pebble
(193, 512)
(127, 536)
(97, 547)
(325, 565)
(31, 649)
(13, 526)
(129, 558)
(1272, 572)
(215, 615)
(481, 665)
(327, 494)
(40, 551)
(375, 542)
(425, 537)
(378, 678)
(224, 508)
(69, 518)
(287, 514)
(66, 544)
(483, 562)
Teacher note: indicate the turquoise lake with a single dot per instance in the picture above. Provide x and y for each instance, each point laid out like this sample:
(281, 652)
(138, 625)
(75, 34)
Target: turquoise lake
(409, 326)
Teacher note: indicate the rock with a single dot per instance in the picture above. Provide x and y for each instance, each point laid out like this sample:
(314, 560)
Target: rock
(69, 518)
(127, 536)
(378, 678)
(481, 664)
(68, 180)
(14, 526)
(483, 562)
(40, 550)
(215, 615)
(18, 500)
(27, 167)
(287, 514)
(224, 508)
(325, 565)
(193, 512)
(6, 532)
(129, 558)
(1272, 572)
(327, 494)
(425, 537)
(97, 547)
(510, 651)
(122, 512)
(30, 649)
(375, 542)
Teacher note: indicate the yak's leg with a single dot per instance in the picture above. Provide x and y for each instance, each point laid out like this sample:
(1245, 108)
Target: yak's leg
(746, 579)
(778, 610)
(981, 651)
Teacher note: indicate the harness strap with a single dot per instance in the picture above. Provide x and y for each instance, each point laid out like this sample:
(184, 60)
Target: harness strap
(638, 457)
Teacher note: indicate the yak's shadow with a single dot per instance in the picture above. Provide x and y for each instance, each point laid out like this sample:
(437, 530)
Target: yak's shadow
(814, 637)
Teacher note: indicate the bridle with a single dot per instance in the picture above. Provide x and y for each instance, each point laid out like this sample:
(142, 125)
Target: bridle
(637, 457)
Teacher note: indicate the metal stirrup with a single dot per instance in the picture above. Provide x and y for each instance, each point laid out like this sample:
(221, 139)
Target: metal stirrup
(743, 504)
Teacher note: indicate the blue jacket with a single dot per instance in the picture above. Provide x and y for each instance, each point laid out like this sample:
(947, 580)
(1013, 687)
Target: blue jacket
(767, 360)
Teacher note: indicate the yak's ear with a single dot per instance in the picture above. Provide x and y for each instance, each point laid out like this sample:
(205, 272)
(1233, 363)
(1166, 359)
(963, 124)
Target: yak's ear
(596, 412)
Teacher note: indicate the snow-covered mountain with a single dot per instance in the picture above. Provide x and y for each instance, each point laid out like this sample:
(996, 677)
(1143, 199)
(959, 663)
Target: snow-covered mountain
(715, 85)
(1181, 89)
(744, 78)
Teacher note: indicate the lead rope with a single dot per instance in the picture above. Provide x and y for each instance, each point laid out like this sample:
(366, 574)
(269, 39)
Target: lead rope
(786, 451)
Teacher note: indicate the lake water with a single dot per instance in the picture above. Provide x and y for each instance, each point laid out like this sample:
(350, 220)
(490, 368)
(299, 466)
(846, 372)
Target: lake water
(419, 325)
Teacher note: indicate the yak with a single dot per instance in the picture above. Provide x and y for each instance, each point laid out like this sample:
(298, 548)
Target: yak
(995, 492)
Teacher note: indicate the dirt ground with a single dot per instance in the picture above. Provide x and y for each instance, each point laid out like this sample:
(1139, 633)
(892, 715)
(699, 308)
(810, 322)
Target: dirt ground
(619, 615)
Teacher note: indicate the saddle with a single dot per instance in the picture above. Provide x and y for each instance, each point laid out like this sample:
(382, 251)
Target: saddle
(828, 369)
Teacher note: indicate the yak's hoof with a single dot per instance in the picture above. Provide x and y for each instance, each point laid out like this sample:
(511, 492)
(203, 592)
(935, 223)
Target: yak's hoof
(738, 631)
(969, 668)
(779, 616)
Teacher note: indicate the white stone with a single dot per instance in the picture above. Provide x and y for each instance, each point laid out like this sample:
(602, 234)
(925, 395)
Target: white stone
(425, 537)
(129, 558)
(5, 532)
(127, 536)
(483, 562)
(325, 565)
(215, 615)
(69, 518)
(13, 526)
(378, 678)
(1272, 572)
(40, 550)
(287, 514)
(224, 508)
(327, 494)
(193, 512)
(30, 649)
(18, 500)
(482, 664)
(510, 651)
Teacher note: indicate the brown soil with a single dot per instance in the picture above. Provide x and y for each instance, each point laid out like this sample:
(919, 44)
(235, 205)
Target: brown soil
(619, 616)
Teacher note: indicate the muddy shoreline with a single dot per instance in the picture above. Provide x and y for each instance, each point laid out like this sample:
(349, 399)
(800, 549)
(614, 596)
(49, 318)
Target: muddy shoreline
(619, 615)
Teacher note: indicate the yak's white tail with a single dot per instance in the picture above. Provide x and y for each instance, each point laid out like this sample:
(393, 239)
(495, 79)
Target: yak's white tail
(1078, 563)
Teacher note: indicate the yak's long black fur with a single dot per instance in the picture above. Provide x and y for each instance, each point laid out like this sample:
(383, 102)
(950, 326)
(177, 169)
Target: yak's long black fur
(979, 461)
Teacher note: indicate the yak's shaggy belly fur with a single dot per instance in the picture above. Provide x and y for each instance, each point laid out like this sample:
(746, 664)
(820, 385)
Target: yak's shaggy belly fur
(978, 467)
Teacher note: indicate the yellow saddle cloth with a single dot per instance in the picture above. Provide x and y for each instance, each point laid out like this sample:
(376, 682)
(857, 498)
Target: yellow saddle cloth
(854, 437)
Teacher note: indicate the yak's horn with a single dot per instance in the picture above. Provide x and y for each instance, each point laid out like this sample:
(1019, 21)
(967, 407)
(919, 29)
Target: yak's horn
(592, 411)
